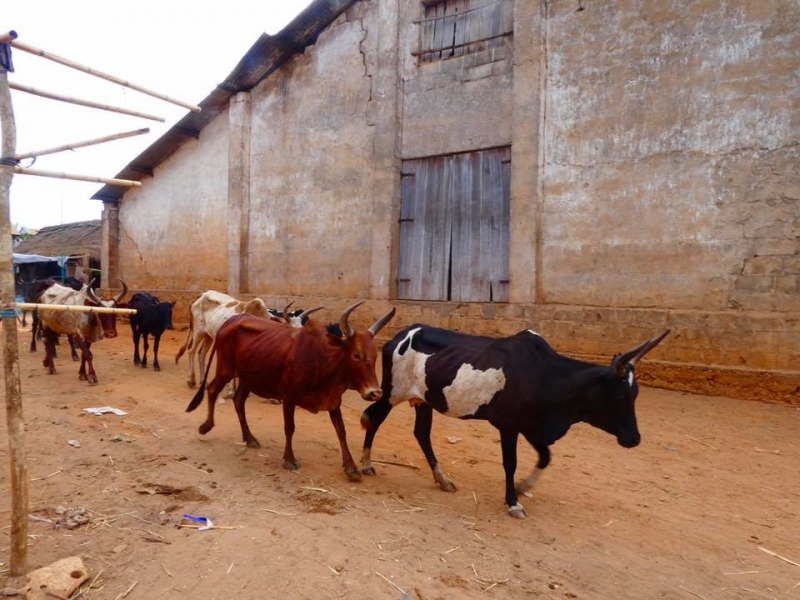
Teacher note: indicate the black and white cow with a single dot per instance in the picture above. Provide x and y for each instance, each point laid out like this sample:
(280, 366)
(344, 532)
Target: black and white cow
(519, 384)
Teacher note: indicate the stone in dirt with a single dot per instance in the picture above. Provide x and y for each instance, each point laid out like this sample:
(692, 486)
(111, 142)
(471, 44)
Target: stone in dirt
(62, 578)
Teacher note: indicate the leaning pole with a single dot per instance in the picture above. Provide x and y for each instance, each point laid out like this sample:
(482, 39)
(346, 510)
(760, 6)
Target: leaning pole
(16, 425)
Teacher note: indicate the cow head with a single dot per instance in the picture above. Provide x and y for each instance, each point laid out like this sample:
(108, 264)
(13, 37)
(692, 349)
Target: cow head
(107, 321)
(612, 401)
(360, 353)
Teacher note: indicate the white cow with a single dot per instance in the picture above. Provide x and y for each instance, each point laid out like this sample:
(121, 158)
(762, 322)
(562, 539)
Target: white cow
(206, 316)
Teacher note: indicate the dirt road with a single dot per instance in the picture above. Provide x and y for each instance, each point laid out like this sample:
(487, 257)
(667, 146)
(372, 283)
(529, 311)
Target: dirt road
(682, 516)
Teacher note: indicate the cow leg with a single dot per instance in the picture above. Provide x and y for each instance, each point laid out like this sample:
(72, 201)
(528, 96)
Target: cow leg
(289, 461)
(146, 346)
(371, 419)
(242, 392)
(86, 359)
(524, 486)
(350, 468)
(422, 431)
(49, 351)
(508, 442)
(35, 326)
(156, 340)
(72, 349)
(214, 389)
(136, 334)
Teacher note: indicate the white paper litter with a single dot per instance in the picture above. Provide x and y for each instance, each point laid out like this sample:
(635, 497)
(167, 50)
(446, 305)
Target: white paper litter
(105, 409)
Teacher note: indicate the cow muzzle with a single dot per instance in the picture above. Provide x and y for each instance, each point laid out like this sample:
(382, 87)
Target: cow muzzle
(372, 394)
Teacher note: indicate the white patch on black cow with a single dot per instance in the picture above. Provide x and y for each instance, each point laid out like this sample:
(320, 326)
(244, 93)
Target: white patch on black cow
(408, 371)
(471, 389)
(534, 332)
(630, 378)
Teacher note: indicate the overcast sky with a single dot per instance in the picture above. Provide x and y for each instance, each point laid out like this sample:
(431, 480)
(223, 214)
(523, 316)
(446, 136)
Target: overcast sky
(179, 48)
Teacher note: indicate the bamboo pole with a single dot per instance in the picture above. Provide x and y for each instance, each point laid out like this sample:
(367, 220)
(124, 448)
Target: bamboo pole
(16, 425)
(7, 36)
(75, 308)
(57, 175)
(80, 102)
(73, 65)
(92, 142)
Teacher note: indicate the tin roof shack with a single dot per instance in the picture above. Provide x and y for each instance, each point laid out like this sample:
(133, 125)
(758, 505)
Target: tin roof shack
(597, 172)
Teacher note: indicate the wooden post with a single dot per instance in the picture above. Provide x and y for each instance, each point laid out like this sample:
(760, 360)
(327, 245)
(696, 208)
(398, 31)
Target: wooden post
(16, 425)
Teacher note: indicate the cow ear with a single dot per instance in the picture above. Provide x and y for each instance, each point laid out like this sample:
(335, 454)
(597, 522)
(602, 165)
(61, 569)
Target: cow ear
(335, 340)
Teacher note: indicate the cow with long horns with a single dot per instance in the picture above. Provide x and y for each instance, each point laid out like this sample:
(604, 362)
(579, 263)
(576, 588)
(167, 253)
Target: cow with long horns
(85, 328)
(309, 366)
(519, 384)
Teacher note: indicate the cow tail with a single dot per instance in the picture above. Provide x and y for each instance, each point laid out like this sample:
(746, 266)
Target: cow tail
(187, 343)
(198, 397)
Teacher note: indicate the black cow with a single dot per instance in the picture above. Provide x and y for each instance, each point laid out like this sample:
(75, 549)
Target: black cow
(519, 384)
(152, 318)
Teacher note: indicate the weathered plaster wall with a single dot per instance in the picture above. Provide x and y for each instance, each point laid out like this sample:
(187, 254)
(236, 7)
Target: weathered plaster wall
(311, 206)
(173, 230)
(671, 157)
(453, 105)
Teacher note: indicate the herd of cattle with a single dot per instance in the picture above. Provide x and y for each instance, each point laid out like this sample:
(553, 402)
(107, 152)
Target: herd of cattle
(519, 384)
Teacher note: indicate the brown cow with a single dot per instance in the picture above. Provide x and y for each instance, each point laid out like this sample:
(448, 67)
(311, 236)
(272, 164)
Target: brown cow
(309, 367)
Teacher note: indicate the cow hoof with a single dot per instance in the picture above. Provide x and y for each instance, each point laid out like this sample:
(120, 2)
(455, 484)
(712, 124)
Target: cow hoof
(291, 465)
(191, 384)
(368, 471)
(83, 377)
(205, 428)
(517, 511)
(353, 475)
(136, 363)
(144, 365)
(76, 358)
(156, 368)
(253, 443)
(92, 380)
(447, 486)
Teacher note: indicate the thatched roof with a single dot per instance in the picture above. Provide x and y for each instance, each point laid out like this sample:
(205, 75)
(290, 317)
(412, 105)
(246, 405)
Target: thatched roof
(70, 239)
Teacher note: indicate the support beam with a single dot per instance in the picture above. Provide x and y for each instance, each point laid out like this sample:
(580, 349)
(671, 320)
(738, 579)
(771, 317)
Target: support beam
(92, 142)
(72, 176)
(109, 244)
(50, 95)
(79, 67)
(238, 192)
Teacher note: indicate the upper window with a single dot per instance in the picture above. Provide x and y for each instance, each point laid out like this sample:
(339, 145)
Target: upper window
(457, 27)
(454, 227)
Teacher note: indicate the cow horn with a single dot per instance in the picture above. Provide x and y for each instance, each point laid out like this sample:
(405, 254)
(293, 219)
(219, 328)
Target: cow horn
(286, 311)
(92, 296)
(124, 291)
(381, 323)
(631, 357)
(343, 324)
(306, 313)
